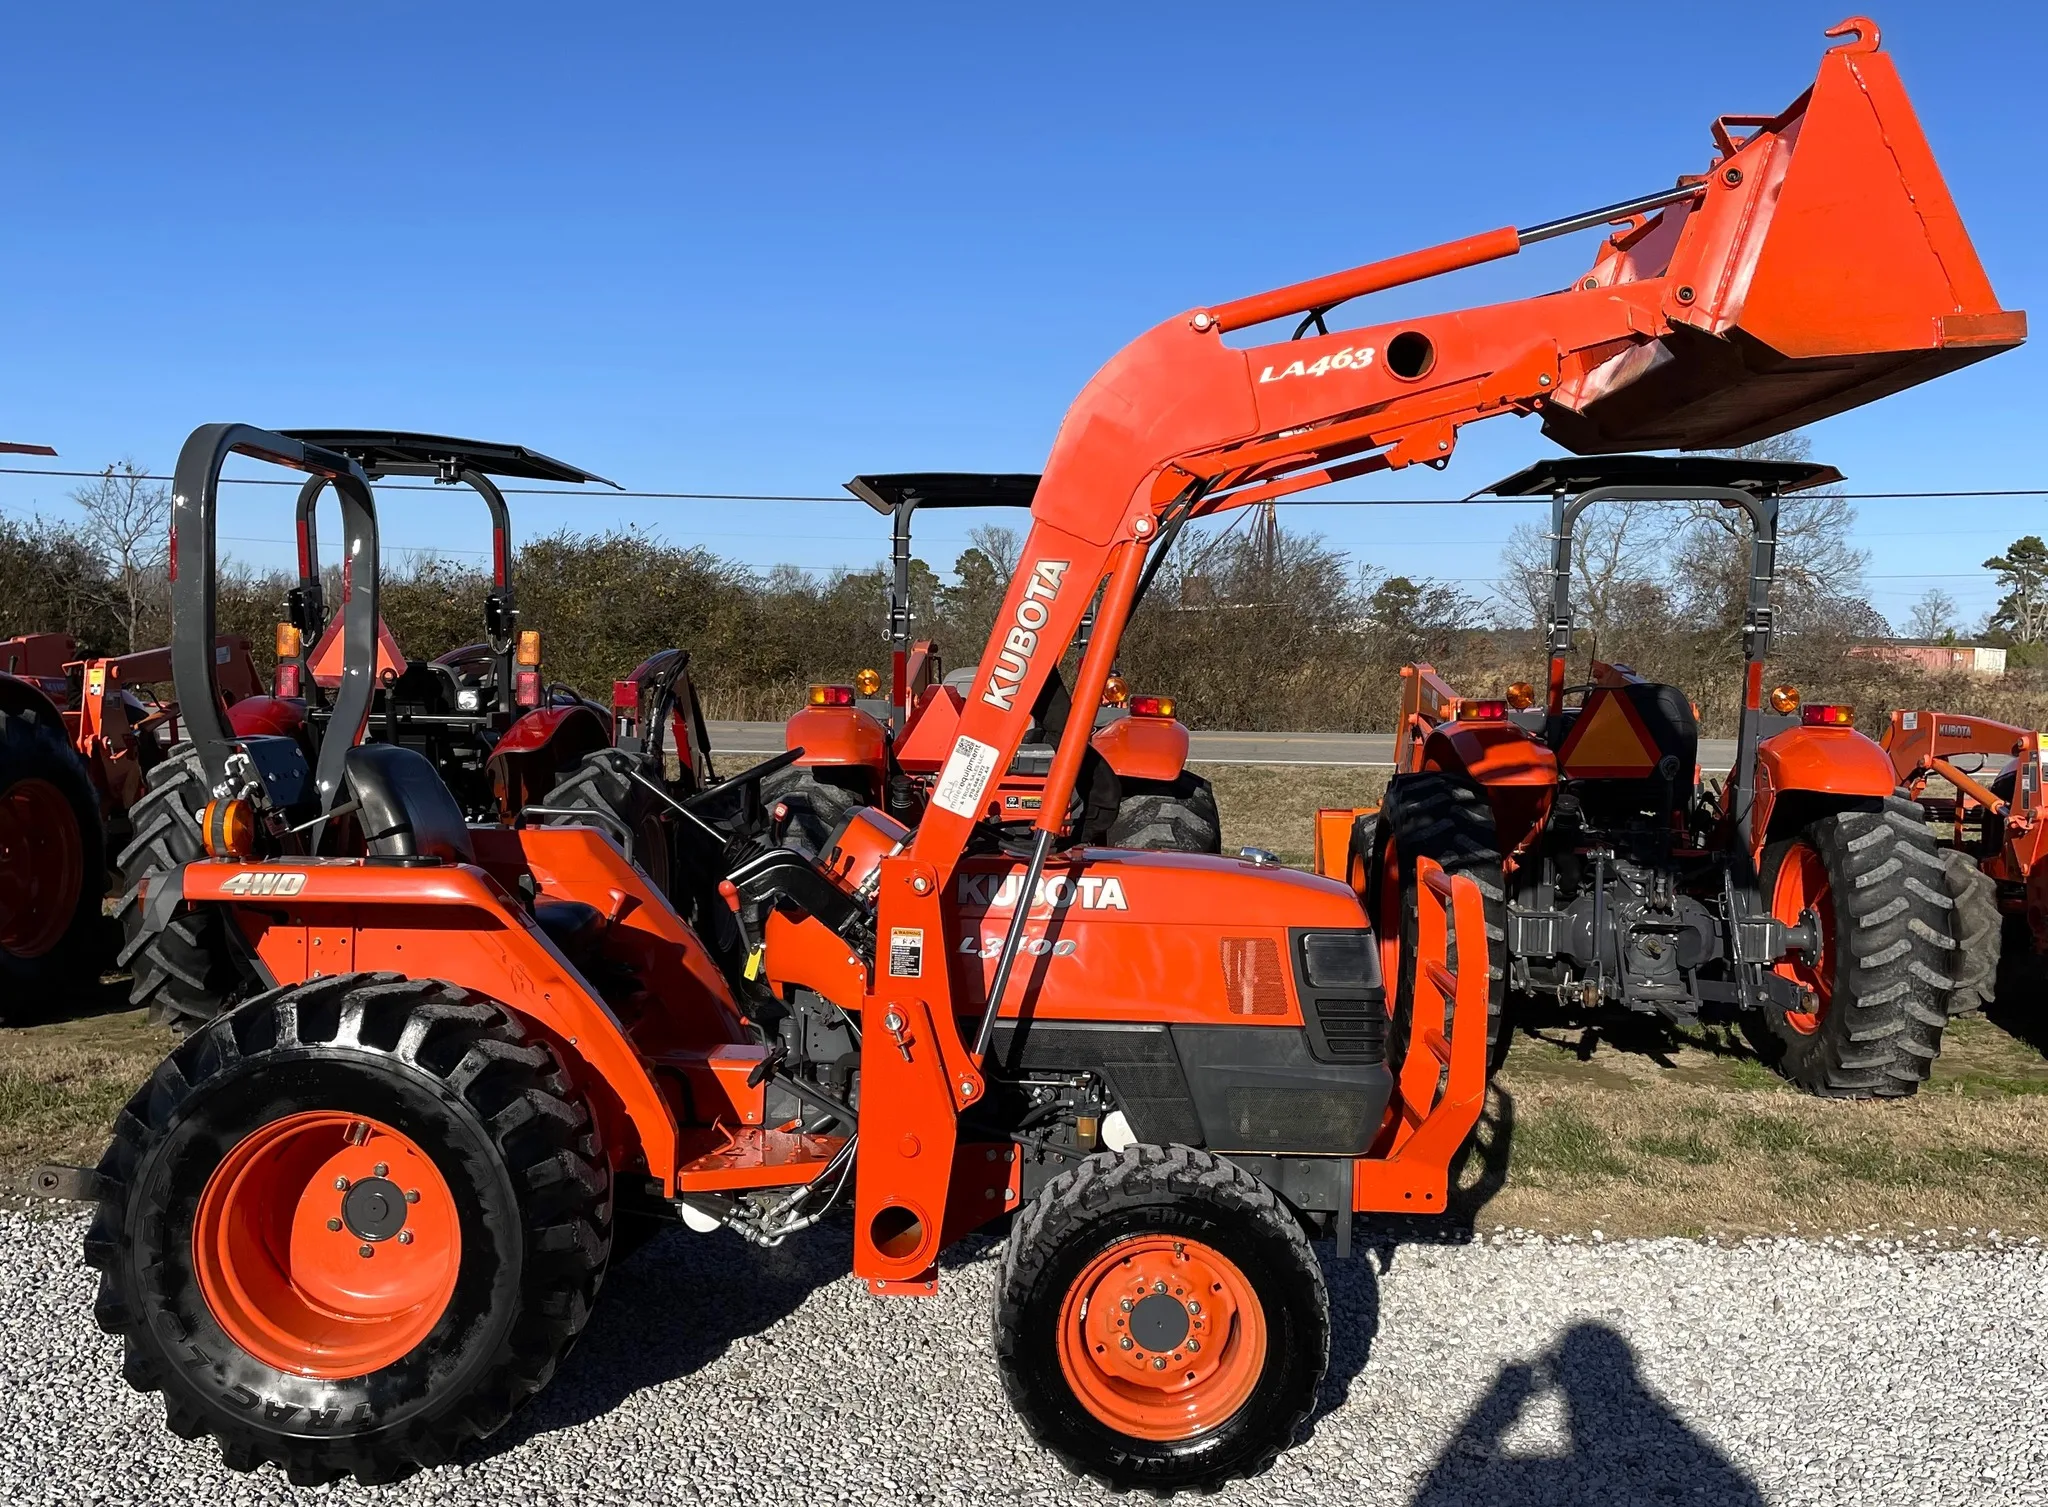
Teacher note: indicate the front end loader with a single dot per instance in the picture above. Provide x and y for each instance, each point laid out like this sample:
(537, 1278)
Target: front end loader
(351, 1224)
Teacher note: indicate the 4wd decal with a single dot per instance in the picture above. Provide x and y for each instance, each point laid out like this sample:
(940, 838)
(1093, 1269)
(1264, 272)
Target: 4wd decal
(1348, 359)
(1092, 892)
(263, 883)
(1014, 658)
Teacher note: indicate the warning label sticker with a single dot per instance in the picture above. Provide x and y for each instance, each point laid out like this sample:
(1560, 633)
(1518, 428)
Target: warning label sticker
(965, 778)
(906, 952)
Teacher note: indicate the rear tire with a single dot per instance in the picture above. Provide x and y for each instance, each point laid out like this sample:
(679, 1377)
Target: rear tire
(1186, 1215)
(53, 864)
(1979, 930)
(1880, 987)
(190, 970)
(1176, 818)
(513, 1225)
(817, 807)
(603, 784)
(1445, 817)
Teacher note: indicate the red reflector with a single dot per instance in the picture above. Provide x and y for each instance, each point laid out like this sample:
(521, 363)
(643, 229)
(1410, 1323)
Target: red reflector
(1151, 706)
(831, 695)
(287, 680)
(1482, 711)
(1829, 716)
(625, 695)
(526, 688)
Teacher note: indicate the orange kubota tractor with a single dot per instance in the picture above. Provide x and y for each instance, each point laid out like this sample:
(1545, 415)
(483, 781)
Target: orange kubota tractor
(1136, 790)
(353, 1223)
(1802, 896)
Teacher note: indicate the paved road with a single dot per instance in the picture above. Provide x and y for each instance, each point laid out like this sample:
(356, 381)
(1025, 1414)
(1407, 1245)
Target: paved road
(1525, 1373)
(1355, 750)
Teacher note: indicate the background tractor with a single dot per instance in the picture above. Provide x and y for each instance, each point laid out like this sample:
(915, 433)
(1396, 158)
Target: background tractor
(1802, 894)
(510, 745)
(861, 748)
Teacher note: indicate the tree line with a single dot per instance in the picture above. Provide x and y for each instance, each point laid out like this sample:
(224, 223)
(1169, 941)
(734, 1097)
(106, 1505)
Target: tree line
(1247, 624)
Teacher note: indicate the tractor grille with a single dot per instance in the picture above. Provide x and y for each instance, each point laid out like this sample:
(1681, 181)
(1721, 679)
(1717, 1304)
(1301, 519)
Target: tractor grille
(1294, 1119)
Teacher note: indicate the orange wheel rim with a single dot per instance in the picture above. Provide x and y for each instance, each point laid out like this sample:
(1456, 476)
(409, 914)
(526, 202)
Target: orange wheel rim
(327, 1244)
(42, 867)
(1162, 1339)
(1801, 886)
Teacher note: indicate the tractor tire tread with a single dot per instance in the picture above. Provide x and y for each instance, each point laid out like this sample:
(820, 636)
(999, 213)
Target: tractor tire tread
(1142, 1173)
(1979, 931)
(186, 973)
(1179, 818)
(480, 1052)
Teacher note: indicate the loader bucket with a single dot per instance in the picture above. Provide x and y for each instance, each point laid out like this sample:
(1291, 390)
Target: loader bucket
(1823, 267)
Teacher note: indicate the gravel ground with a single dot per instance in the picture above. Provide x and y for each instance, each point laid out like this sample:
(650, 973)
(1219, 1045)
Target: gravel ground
(1500, 1373)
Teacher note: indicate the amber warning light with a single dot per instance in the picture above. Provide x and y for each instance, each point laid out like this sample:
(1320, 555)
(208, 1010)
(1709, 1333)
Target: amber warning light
(1829, 716)
(831, 695)
(1482, 711)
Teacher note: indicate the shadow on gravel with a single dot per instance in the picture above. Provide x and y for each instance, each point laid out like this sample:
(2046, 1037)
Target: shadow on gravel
(672, 1308)
(1625, 1446)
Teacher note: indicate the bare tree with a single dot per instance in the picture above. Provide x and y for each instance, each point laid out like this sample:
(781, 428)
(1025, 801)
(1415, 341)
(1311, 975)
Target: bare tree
(1933, 618)
(127, 520)
(1002, 546)
(1617, 560)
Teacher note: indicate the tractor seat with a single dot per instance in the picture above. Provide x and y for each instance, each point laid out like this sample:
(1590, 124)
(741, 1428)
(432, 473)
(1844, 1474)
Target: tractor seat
(404, 808)
(1616, 733)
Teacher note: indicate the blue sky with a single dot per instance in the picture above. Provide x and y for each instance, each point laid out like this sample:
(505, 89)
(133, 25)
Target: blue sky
(763, 248)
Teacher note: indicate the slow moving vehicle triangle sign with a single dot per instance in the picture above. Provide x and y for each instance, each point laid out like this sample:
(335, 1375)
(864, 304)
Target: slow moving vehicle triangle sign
(1609, 741)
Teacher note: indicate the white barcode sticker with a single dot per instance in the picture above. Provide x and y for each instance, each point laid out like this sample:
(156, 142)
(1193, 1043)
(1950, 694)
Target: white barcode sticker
(965, 778)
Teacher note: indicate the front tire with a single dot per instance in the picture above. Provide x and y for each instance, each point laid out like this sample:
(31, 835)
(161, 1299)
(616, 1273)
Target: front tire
(1877, 993)
(350, 1226)
(1161, 1323)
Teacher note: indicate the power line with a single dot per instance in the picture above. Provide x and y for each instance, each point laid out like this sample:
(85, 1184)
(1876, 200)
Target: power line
(1311, 502)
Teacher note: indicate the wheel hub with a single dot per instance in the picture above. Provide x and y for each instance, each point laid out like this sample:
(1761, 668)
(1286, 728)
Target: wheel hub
(42, 867)
(1162, 1338)
(373, 1209)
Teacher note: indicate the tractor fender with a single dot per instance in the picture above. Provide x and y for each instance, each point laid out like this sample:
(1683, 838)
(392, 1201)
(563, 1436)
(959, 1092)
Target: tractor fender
(273, 715)
(840, 737)
(540, 747)
(1804, 771)
(19, 697)
(1518, 773)
(1144, 748)
(457, 923)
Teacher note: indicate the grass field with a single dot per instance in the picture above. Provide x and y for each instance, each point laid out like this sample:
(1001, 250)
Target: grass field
(1638, 1132)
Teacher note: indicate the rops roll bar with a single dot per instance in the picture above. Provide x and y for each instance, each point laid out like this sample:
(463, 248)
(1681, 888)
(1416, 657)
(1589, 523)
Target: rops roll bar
(195, 507)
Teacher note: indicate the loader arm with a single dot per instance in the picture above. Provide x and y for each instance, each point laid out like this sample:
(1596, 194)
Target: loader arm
(1817, 265)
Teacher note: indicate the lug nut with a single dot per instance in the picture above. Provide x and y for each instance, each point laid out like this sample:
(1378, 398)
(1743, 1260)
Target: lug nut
(366, 1252)
(381, 1169)
(1193, 1345)
(1159, 1363)
(405, 1237)
(1125, 1342)
(412, 1195)
(1159, 1286)
(333, 1224)
(1125, 1305)
(1193, 1306)
(341, 1183)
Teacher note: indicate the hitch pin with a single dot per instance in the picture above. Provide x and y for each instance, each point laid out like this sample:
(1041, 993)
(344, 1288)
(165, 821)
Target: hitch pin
(893, 1023)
